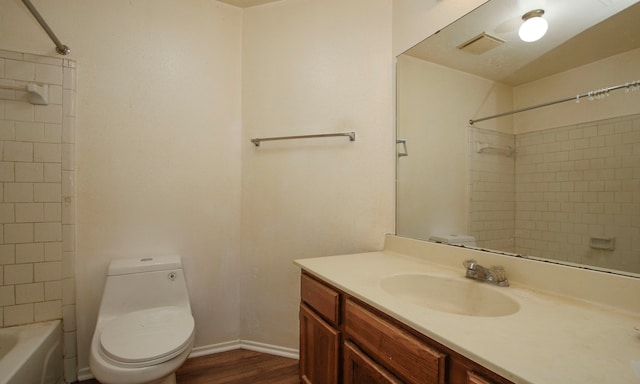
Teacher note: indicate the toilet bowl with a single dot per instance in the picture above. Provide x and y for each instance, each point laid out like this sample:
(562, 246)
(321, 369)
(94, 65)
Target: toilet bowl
(145, 329)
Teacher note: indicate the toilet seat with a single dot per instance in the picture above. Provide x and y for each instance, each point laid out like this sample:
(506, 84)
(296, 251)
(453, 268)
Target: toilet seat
(147, 337)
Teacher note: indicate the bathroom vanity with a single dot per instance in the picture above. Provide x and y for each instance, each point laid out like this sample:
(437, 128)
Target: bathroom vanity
(403, 315)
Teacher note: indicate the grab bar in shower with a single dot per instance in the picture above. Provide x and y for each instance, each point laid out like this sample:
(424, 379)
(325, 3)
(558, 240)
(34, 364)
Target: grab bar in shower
(60, 48)
(351, 135)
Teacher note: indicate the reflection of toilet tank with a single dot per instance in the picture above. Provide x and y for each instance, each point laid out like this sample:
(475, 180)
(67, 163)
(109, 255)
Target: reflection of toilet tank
(454, 239)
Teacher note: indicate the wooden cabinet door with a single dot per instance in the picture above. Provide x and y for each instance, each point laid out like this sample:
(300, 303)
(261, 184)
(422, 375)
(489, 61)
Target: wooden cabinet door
(360, 369)
(474, 378)
(319, 349)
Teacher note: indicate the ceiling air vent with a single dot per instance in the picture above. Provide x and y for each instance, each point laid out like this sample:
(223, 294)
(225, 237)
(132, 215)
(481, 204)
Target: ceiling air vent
(481, 44)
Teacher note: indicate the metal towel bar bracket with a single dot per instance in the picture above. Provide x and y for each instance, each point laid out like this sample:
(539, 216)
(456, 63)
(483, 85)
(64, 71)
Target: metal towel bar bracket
(351, 135)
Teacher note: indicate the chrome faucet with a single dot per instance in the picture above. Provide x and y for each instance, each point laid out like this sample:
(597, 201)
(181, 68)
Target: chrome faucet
(494, 275)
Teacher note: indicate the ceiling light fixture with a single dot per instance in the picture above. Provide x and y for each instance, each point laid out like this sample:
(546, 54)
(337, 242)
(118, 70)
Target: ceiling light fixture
(534, 26)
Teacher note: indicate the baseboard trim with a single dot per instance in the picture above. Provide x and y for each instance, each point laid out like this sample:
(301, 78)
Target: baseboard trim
(270, 349)
(85, 373)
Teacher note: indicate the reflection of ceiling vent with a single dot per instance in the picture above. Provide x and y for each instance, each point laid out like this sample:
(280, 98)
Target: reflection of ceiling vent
(481, 44)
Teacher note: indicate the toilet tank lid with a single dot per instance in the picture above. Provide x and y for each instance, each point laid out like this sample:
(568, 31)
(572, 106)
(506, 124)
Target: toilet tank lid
(144, 264)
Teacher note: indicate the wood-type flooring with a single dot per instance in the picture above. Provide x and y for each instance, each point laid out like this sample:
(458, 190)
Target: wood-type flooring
(239, 366)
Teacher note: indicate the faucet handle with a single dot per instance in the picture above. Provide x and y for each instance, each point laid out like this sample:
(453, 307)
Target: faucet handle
(499, 275)
(469, 264)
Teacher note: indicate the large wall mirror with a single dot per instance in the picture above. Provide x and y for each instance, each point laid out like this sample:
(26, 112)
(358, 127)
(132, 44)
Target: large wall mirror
(557, 182)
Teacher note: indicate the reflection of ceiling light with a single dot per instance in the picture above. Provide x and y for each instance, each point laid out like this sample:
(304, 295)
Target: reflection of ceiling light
(534, 26)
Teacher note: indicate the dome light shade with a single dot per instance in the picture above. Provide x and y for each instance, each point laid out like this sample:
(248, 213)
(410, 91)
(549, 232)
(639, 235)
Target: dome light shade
(534, 26)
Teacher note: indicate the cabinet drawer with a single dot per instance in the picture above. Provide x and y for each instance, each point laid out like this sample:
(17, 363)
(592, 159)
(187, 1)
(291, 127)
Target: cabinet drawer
(323, 299)
(401, 353)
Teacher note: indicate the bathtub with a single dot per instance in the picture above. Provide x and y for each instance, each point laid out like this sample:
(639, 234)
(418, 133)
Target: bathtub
(31, 354)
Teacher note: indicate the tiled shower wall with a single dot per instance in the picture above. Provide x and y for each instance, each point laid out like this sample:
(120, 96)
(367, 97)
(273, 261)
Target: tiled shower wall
(37, 196)
(492, 189)
(577, 193)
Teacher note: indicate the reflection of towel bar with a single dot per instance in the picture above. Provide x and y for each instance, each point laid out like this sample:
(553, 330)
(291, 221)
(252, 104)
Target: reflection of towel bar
(486, 147)
(352, 137)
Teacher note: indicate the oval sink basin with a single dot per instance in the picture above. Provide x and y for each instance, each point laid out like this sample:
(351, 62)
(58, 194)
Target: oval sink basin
(452, 295)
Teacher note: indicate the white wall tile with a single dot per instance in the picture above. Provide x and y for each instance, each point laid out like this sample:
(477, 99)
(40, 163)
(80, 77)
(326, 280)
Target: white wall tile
(69, 238)
(68, 264)
(29, 131)
(68, 156)
(53, 252)
(68, 129)
(53, 290)
(69, 318)
(7, 295)
(18, 314)
(29, 293)
(18, 233)
(18, 192)
(19, 70)
(47, 271)
(70, 344)
(29, 212)
(51, 113)
(7, 171)
(53, 212)
(55, 94)
(47, 192)
(7, 213)
(17, 151)
(69, 210)
(18, 274)
(7, 254)
(69, 78)
(68, 291)
(47, 232)
(42, 59)
(19, 111)
(29, 172)
(53, 133)
(52, 172)
(69, 100)
(51, 74)
(7, 128)
(48, 310)
(47, 152)
(29, 253)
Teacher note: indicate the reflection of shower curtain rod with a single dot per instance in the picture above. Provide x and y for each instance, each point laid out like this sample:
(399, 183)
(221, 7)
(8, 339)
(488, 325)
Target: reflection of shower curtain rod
(60, 48)
(599, 93)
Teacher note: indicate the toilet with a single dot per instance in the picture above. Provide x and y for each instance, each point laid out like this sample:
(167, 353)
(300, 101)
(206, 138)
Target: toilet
(145, 329)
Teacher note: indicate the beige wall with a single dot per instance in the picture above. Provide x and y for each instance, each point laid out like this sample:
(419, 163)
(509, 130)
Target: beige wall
(312, 67)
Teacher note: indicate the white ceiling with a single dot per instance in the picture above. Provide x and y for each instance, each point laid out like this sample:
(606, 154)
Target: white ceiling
(248, 3)
(575, 37)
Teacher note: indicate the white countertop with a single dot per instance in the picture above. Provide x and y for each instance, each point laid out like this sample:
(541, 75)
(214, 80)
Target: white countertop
(551, 339)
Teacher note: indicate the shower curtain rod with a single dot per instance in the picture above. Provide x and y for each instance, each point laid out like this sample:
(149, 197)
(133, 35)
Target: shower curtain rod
(599, 93)
(60, 48)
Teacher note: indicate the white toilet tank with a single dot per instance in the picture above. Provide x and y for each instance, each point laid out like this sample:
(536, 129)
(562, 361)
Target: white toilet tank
(454, 239)
(147, 282)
